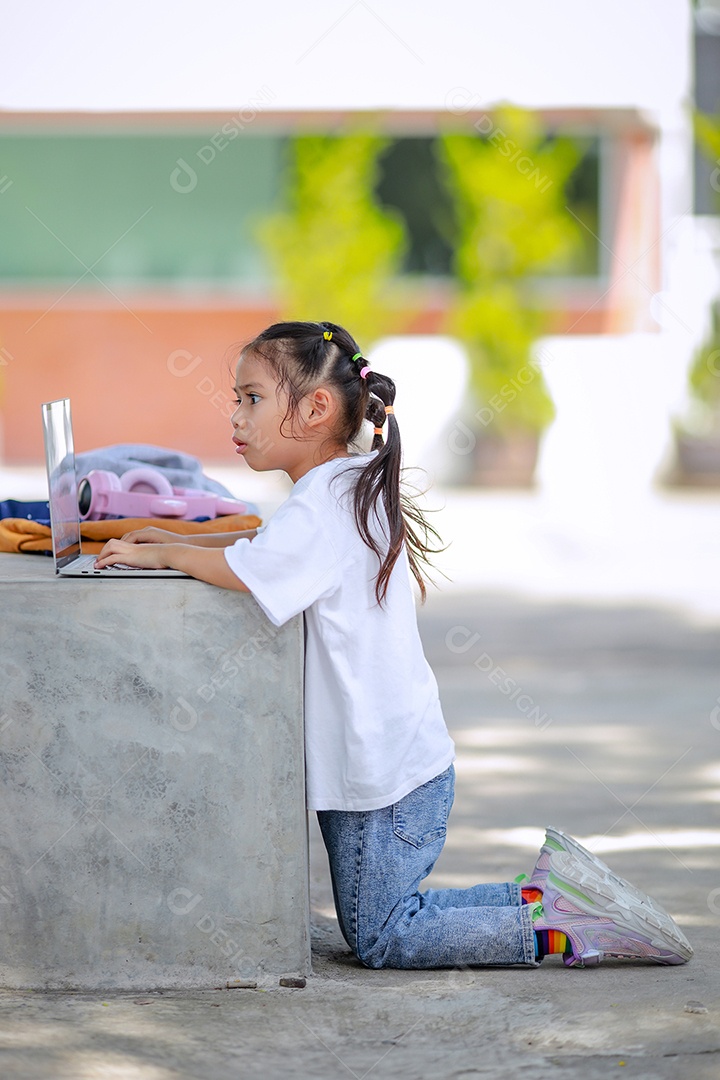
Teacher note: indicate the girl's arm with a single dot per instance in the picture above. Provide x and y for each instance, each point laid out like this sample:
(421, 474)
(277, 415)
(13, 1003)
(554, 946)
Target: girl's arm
(152, 535)
(206, 564)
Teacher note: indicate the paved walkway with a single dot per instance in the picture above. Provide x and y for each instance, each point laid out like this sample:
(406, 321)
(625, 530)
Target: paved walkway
(621, 746)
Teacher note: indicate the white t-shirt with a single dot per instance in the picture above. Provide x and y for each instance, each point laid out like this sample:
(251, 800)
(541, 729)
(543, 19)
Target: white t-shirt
(374, 728)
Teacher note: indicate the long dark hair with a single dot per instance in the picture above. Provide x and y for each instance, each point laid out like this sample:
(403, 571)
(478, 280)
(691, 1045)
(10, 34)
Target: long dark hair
(304, 355)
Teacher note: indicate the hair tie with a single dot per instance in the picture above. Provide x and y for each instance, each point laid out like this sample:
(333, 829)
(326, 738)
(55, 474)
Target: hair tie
(389, 409)
(378, 431)
(363, 370)
(327, 334)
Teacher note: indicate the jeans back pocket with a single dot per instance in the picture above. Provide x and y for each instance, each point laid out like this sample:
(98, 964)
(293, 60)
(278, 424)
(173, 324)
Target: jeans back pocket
(421, 816)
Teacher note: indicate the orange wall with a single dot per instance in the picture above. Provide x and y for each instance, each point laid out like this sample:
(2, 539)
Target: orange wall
(159, 372)
(124, 376)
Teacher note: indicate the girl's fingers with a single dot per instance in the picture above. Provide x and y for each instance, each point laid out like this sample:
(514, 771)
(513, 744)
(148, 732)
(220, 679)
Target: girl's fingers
(113, 552)
(145, 556)
(148, 535)
(138, 536)
(106, 550)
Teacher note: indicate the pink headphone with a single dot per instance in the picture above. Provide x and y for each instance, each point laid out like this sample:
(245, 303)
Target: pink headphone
(145, 492)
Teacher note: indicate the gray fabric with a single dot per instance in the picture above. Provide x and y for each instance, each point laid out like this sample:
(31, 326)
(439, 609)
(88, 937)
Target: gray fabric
(181, 470)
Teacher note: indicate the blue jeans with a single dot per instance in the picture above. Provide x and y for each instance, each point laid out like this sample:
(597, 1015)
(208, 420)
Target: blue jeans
(378, 859)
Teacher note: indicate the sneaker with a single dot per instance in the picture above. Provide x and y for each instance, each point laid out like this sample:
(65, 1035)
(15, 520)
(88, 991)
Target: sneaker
(602, 918)
(556, 841)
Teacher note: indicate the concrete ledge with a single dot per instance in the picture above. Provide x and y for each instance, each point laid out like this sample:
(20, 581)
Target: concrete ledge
(151, 758)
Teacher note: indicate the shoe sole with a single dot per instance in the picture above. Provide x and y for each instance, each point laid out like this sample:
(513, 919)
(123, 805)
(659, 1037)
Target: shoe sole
(572, 847)
(590, 889)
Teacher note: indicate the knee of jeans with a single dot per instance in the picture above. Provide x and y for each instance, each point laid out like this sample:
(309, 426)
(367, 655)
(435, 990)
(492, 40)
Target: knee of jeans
(370, 955)
(380, 942)
(371, 942)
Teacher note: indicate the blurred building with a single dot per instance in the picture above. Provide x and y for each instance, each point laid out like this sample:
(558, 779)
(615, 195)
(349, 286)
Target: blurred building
(137, 158)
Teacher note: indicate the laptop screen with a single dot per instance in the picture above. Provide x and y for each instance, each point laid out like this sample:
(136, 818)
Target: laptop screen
(62, 482)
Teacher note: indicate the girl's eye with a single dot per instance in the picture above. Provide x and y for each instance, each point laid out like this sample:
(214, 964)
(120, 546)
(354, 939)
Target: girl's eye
(254, 398)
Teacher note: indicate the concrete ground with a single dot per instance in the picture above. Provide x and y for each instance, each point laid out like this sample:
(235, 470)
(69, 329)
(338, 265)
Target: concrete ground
(618, 744)
(607, 626)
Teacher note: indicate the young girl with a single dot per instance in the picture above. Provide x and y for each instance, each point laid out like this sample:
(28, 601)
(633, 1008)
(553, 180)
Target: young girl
(342, 549)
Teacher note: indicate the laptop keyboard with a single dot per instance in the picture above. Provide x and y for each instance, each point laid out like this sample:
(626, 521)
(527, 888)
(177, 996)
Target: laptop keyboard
(116, 566)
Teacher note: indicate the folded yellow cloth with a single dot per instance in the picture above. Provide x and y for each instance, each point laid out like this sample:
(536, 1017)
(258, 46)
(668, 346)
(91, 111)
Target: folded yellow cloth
(19, 534)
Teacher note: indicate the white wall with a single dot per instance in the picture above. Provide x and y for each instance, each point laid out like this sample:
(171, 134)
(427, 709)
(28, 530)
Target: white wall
(219, 54)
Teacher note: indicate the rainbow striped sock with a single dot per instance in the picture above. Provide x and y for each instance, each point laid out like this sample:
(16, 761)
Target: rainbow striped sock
(529, 895)
(550, 941)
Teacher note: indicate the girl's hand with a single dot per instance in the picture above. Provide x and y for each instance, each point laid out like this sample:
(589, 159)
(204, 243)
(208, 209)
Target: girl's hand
(151, 535)
(206, 564)
(148, 556)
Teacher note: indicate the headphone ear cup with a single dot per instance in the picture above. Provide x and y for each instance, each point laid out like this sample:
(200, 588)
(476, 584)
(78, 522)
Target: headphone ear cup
(93, 492)
(146, 480)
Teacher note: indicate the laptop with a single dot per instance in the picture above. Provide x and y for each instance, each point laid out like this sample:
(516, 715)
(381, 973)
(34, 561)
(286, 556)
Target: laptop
(64, 507)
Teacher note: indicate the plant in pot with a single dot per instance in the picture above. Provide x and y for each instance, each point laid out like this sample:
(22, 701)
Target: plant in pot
(507, 184)
(697, 438)
(697, 435)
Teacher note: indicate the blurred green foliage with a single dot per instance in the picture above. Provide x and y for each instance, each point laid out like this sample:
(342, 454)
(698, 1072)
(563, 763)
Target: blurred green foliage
(412, 181)
(334, 250)
(704, 375)
(508, 186)
(337, 251)
(705, 379)
(707, 134)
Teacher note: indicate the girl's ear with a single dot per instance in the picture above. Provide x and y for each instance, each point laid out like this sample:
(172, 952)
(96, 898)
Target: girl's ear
(318, 408)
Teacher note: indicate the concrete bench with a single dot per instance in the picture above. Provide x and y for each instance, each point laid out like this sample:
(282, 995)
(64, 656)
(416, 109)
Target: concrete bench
(153, 831)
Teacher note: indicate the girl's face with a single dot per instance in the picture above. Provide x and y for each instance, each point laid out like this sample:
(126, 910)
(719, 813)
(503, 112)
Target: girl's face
(263, 435)
(258, 416)
(258, 420)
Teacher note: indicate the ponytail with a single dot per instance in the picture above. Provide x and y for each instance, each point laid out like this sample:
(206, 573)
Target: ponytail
(381, 479)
